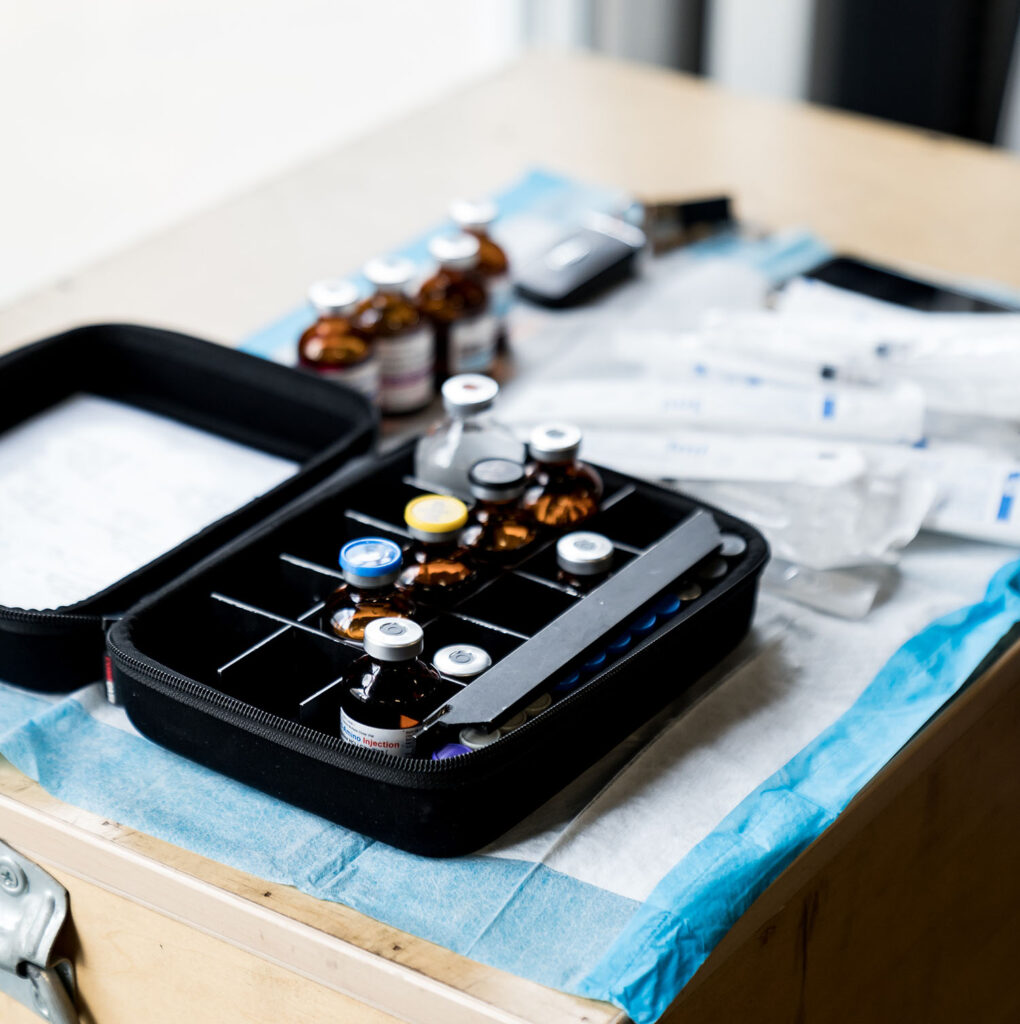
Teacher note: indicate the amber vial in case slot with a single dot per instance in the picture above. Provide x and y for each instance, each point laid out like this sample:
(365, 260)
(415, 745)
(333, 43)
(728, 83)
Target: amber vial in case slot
(403, 337)
(333, 346)
(439, 565)
(370, 567)
(387, 693)
(501, 529)
(584, 559)
(477, 217)
(561, 491)
(457, 305)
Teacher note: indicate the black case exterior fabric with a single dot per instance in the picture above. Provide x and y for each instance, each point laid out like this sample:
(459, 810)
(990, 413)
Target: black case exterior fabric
(252, 401)
(438, 808)
(449, 813)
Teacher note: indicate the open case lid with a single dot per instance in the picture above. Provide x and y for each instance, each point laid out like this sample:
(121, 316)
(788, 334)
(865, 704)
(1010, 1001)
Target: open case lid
(305, 426)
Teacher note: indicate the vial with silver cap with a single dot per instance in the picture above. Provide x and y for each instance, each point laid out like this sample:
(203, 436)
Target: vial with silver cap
(401, 334)
(334, 347)
(370, 567)
(456, 302)
(561, 491)
(584, 559)
(438, 563)
(501, 530)
(462, 662)
(477, 217)
(388, 691)
(466, 434)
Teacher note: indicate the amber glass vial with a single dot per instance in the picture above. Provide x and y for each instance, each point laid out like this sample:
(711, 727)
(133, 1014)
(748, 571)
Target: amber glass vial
(457, 305)
(386, 694)
(477, 217)
(439, 564)
(584, 560)
(561, 491)
(333, 346)
(370, 567)
(501, 531)
(402, 336)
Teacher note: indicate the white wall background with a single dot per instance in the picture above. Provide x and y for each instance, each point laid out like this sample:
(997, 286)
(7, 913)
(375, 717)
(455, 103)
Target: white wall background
(118, 117)
(761, 47)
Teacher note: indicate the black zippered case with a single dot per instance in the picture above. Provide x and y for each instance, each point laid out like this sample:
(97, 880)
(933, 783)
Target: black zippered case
(221, 656)
(221, 391)
(230, 666)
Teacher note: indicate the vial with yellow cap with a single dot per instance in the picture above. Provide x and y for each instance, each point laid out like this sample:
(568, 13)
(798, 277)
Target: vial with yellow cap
(439, 564)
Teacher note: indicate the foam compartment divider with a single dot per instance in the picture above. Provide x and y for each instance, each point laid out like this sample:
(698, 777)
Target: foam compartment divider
(267, 646)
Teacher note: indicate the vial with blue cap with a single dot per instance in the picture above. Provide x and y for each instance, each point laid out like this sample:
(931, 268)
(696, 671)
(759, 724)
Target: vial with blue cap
(370, 568)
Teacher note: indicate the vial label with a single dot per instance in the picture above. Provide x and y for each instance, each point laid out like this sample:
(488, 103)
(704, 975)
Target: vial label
(398, 742)
(406, 364)
(473, 344)
(364, 377)
(501, 295)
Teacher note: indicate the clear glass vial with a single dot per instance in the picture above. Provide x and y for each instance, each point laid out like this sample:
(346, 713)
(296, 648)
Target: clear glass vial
(370, 567)
(388, 691)
(402, 336)
(561, 490)
(466, 434)
(333, 346)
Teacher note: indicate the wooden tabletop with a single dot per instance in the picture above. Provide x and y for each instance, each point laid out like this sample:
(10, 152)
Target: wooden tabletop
(891, 194)
(867, 187)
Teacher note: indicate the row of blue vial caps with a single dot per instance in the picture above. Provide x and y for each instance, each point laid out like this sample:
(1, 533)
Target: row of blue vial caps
(665, 608)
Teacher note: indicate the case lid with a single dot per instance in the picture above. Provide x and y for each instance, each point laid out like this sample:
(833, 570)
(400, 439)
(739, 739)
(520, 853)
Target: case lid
(219, 391)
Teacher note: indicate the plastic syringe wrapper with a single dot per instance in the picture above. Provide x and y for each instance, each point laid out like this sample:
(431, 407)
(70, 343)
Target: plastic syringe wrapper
(658, 402)
(821, 505)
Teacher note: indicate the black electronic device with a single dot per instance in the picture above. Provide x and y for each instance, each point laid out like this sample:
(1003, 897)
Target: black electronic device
(582, 263)
(890, 285)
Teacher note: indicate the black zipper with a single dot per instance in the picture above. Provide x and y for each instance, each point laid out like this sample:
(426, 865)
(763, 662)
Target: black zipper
(371, 763)
(43, 617)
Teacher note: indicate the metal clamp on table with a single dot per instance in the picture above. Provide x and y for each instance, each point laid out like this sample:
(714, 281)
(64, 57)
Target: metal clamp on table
(33, 907)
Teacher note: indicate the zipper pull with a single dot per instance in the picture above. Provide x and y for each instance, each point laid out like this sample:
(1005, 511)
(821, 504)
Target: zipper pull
(111, 686)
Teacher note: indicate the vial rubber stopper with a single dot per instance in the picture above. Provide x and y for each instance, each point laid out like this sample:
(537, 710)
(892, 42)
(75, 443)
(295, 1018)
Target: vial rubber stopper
(461, 661)
(584, 553)
(334, 297)
(555, 442)
(393, 639)
(371, 561)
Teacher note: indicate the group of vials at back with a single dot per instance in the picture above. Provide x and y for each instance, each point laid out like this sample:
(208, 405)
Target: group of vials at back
(487, 502)
(399, 343)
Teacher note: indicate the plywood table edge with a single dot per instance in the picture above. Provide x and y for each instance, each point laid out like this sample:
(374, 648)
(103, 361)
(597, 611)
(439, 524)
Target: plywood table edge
(963, 713)
(437, 985)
